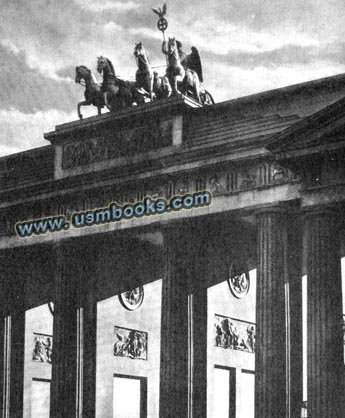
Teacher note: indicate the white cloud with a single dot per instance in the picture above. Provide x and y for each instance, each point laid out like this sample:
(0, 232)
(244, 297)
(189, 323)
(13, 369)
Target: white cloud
(35, 61)
(8, 44)
(227, 82)
(227, 37)
(111, 27)
(100, 5)
(149, 33)
(21, 131)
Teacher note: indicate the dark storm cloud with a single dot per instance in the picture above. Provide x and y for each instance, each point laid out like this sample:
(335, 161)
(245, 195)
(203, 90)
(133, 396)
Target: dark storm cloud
(27, 90)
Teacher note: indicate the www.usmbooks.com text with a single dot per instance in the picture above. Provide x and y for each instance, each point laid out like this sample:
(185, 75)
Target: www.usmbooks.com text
(111, 214)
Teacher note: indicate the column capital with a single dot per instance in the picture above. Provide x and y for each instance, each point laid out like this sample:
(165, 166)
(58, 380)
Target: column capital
(330, 209)
(279, 209)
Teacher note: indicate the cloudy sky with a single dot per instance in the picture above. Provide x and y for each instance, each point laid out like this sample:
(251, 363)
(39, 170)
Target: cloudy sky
(246, 46)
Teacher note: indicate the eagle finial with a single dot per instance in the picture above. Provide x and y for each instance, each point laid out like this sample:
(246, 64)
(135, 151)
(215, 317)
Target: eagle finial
(161, 12)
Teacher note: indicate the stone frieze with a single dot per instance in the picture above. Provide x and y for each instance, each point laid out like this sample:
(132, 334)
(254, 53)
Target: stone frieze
(115, 144)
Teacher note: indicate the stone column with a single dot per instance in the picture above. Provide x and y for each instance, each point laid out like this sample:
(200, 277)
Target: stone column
(295, 343)
(63, 385)
(174, 329)
(13, 277)
(17, 362)
(183, 379)
(270, 370)
(4, 395)
(199, 351)
(88, 283)
(325, 335)
(199, 239)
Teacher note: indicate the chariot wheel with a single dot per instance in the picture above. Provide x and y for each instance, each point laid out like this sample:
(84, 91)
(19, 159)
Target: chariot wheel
(206, 98)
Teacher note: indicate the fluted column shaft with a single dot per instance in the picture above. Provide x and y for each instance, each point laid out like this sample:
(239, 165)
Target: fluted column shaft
(13, 291)
(183, 380)
(325, 338)
(295, 343)
(270, 368)
(174, 329)
(88, 282)
(63, 385)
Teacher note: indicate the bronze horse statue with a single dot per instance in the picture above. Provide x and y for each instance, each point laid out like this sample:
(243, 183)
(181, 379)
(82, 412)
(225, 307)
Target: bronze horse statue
(93, 94)
(144, 76)
(117, 93)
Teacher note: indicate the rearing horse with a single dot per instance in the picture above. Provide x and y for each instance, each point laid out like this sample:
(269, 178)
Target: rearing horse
(93, 94)
(175, 70)
(144, 76)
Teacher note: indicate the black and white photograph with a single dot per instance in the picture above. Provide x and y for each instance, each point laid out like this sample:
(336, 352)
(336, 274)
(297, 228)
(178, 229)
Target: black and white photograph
(172, 200)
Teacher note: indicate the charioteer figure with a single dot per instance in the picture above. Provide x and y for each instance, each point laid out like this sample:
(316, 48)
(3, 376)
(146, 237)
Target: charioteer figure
(190, 61)
(184, 71)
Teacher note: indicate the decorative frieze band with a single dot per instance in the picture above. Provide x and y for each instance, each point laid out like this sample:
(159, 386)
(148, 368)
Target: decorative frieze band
(251, 176)
(114, 144)
(234, 178)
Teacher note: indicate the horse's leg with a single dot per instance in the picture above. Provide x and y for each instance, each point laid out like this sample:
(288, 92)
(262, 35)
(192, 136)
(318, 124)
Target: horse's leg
(138, 98)
(177, 79)
(151, 90)
(167, 89)
(151, 79)
(80, 104)
(197, 88)
(106, 100)
(173, 84)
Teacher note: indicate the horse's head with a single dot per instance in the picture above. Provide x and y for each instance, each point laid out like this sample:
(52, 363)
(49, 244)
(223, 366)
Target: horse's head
(81, 72)
(102, 62)
(139, 50)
